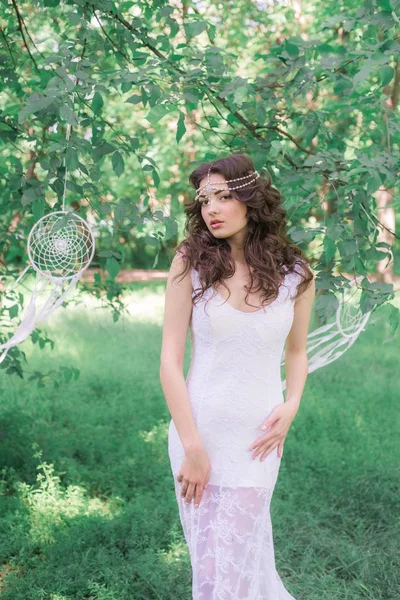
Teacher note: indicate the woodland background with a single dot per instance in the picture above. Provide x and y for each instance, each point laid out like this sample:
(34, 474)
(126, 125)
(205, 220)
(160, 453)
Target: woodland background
(310, 90)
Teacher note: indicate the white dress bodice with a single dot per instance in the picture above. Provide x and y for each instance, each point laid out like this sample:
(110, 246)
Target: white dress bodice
(234, 382)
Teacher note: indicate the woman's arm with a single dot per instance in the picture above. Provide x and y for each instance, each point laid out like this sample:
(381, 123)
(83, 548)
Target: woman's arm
(177, 312)
(296, 366)
(296, 361)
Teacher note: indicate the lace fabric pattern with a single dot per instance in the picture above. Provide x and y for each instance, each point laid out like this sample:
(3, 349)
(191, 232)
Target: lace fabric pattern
(233, 384)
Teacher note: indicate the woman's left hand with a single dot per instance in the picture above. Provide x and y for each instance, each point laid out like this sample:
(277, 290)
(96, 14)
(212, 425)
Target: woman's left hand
(280, 420)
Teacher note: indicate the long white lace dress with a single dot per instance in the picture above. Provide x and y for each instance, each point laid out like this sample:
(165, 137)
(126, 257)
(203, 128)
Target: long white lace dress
(233, 383)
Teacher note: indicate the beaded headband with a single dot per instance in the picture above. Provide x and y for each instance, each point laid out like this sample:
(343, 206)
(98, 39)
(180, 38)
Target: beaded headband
(208, 187)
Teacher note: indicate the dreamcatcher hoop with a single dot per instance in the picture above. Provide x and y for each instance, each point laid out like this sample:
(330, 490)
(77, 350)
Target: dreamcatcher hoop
(53, 244)
(60, 247)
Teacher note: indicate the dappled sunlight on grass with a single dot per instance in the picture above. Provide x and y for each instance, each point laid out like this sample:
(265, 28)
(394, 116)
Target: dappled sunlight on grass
(154, 434)
(50, 505)
(141, 306)
(85, 335)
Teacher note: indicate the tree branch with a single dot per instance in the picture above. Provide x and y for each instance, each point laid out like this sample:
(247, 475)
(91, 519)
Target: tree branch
(21, 24)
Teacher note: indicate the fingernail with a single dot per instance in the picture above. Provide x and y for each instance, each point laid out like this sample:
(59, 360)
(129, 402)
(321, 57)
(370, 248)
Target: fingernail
(263, 427)
(196, 505)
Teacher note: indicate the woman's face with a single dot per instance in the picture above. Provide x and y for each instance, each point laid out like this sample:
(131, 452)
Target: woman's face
(223, 206)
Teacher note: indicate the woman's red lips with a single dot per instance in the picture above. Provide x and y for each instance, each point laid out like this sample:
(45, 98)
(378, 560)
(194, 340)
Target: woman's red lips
(215, 222)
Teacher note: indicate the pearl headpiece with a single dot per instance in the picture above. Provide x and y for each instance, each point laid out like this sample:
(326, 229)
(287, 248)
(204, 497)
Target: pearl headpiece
(208, 187)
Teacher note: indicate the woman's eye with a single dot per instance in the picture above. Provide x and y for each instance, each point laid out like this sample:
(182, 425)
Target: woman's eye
(202, 202)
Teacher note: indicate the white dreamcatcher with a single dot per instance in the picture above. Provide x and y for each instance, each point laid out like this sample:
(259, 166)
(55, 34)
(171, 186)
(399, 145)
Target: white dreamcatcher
(60, 247)
(328, 342)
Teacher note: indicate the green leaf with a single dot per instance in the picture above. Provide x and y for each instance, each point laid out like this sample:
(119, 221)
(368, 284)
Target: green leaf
(144, 96)
(118, 163)
(135, 99)
(362, 74)
(261, 114)
(29, 195)
(157, 112)
(171, 228)
(330, 248)
(239, 94)
(386, 75)
(181, 129)
(101, 150)
(67, 114)
(38, 208)
(155, 93)
(195, 28)
(74, 18)
(291, 49)
(97, 103)
(35, 104)
(112, 266)
(126, 86)
(385, 5)
(326, 305)
(13, 311)
(61, 222)
(156, 178)
(71, 159)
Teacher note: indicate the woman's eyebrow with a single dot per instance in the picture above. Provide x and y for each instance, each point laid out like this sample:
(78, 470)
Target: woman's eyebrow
(216, 192)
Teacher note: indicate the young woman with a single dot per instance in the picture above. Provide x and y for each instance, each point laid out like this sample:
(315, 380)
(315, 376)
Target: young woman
(229, 418)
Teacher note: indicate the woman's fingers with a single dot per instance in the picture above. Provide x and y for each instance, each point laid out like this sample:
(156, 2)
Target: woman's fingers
(198, 495)
(271, 436)
(266, 452)
(266, 444)
(266, 448)
(190, 492)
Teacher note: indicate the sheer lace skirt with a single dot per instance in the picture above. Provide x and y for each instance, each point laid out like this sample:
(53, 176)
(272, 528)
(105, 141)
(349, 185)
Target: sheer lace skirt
(230, 541)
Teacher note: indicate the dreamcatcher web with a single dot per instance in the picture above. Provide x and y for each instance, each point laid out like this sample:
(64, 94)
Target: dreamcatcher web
(328, 342)
(60, 245)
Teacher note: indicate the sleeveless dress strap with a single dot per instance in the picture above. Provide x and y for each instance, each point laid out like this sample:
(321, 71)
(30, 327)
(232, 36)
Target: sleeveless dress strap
(195, 279)
(293, 279)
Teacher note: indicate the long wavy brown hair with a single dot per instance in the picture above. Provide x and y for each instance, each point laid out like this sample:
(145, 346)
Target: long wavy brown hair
(268, 251)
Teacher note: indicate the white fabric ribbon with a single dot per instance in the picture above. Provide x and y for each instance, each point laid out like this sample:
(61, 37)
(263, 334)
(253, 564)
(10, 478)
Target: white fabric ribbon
(31, 317)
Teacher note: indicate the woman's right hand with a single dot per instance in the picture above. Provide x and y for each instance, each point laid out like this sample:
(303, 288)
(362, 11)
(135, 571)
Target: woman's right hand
(194, 474)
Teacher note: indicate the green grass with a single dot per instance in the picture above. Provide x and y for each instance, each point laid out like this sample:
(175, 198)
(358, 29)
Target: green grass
(87, 504)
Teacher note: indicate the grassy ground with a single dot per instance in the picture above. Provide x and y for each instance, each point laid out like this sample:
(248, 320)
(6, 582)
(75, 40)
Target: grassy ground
(87, 505)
